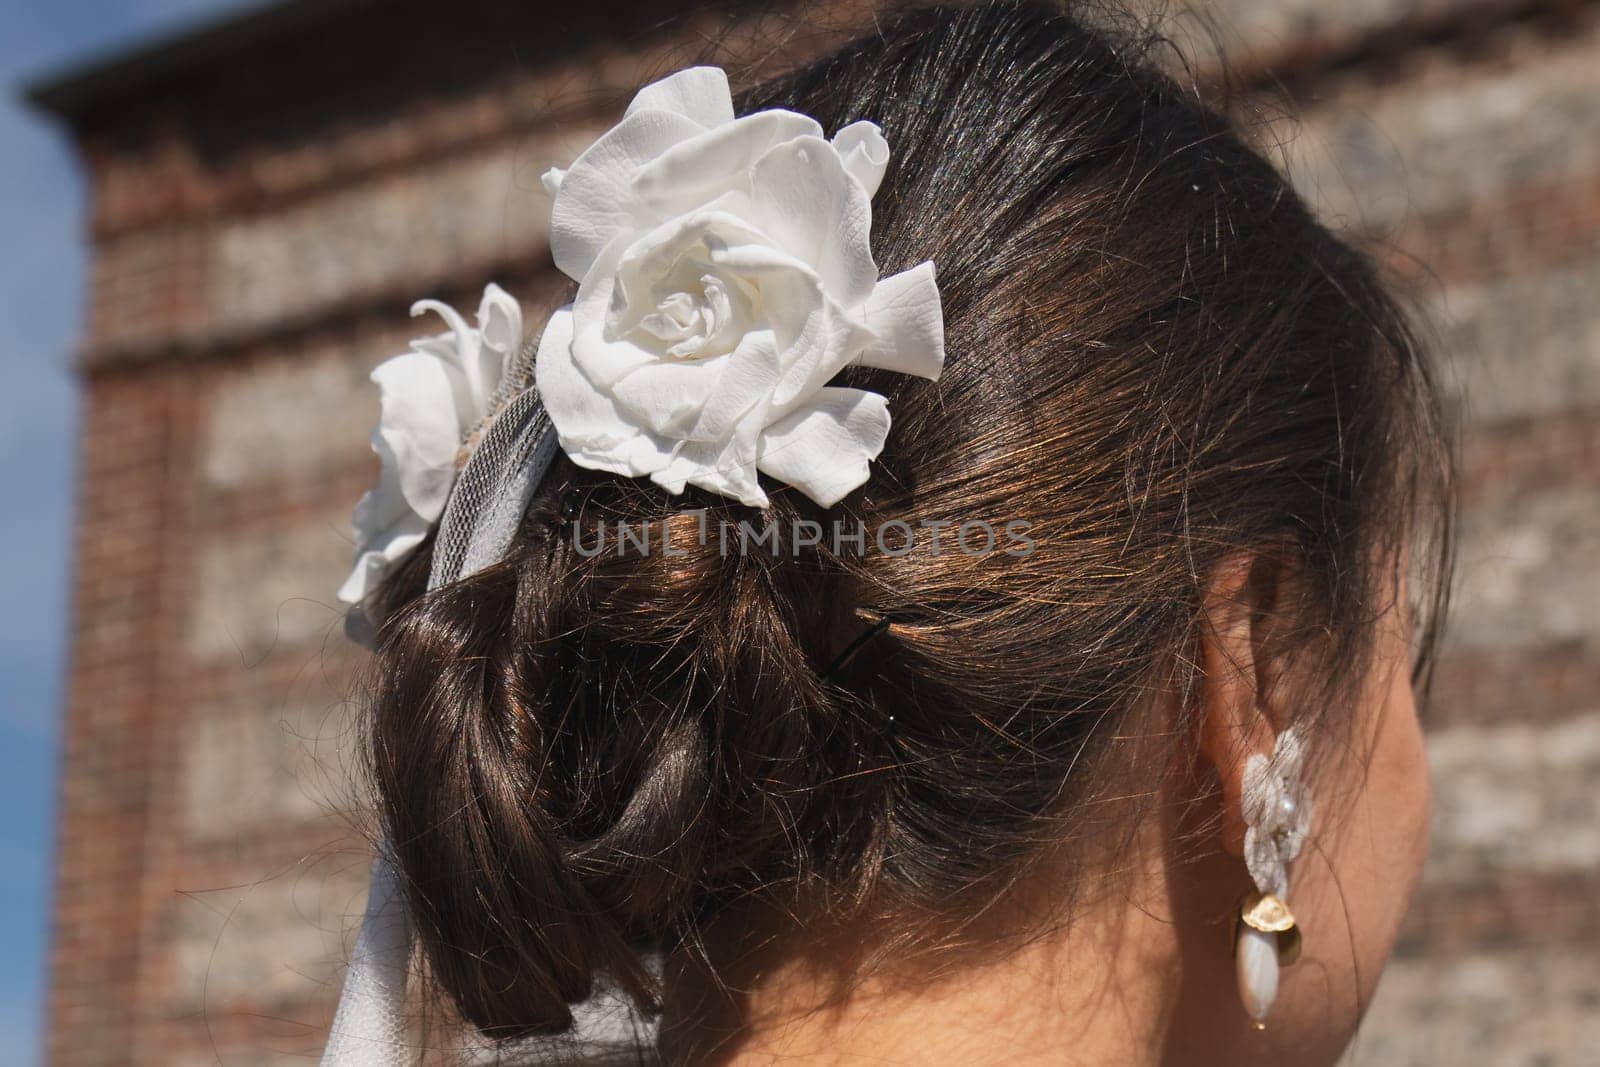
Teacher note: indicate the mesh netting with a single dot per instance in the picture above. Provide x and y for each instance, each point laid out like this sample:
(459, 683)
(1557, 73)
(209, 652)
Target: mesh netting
(506, 461)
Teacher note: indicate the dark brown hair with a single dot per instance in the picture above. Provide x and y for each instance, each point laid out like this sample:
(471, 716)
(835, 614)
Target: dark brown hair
(1157, 358)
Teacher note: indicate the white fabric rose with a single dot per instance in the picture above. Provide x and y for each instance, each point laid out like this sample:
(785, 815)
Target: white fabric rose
(431, 398)
(725, 277)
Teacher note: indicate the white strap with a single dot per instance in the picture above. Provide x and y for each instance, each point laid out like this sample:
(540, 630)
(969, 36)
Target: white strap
(480, 521)
(370, 1027)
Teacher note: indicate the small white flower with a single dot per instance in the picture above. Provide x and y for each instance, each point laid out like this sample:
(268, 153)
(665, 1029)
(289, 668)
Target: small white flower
(725, 277)
(1277, 811)
(431, 398)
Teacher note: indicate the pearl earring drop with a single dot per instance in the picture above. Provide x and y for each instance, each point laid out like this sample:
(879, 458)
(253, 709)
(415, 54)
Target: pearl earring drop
(1277, 814)
(1266, 939)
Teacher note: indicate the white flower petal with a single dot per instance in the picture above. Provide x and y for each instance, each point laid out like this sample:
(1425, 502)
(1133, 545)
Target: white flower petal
(640, 455)
(812, 209)
(586, 418)
(791, 289)
(500, 327)
(725, 466)
(385, 527)
(667, 396)
(698, 93)
(461, 348)
(596, 201)
(625, 286)
(824, 343)
(605, 363)
(748, 378)
(815, 338)
(373, 566)
(423, 433)
(864, 152)
(459, 330)
(905, 313)
(385, 505)
(694, 172)
(824, 450)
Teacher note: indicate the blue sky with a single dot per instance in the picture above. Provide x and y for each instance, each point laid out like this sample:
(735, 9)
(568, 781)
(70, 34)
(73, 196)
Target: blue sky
(41, 292)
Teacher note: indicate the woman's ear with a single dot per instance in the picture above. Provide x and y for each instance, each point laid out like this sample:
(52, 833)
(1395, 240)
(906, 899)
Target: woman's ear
(1235, 679)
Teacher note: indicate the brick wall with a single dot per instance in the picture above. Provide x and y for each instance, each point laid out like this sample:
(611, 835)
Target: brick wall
(1474, 159)
(253, 260)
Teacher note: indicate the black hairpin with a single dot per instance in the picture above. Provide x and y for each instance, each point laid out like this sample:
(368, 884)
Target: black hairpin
(881, 623)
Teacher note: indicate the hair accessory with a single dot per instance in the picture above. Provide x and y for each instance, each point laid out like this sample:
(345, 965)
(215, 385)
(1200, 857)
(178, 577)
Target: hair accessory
(431, 400)
(725, 277)
(1277, 812)
(879, 624)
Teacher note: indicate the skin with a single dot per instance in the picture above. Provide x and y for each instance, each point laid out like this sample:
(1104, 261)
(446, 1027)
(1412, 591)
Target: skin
(1143, 975)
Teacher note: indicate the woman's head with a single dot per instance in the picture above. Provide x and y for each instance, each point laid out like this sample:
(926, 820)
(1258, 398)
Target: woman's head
(1198, 431)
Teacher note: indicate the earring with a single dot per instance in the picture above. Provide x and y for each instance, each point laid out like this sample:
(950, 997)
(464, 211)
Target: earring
(1277, 813)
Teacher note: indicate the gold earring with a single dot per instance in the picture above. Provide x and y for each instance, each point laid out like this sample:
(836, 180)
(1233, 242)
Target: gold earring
(1276, 808)
(1265, 939)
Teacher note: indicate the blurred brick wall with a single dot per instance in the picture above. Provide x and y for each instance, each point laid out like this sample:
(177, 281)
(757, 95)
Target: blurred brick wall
(258, 235)
(1473, 155)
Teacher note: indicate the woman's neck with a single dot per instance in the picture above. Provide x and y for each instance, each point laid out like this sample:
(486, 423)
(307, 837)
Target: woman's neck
(1095, 991)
